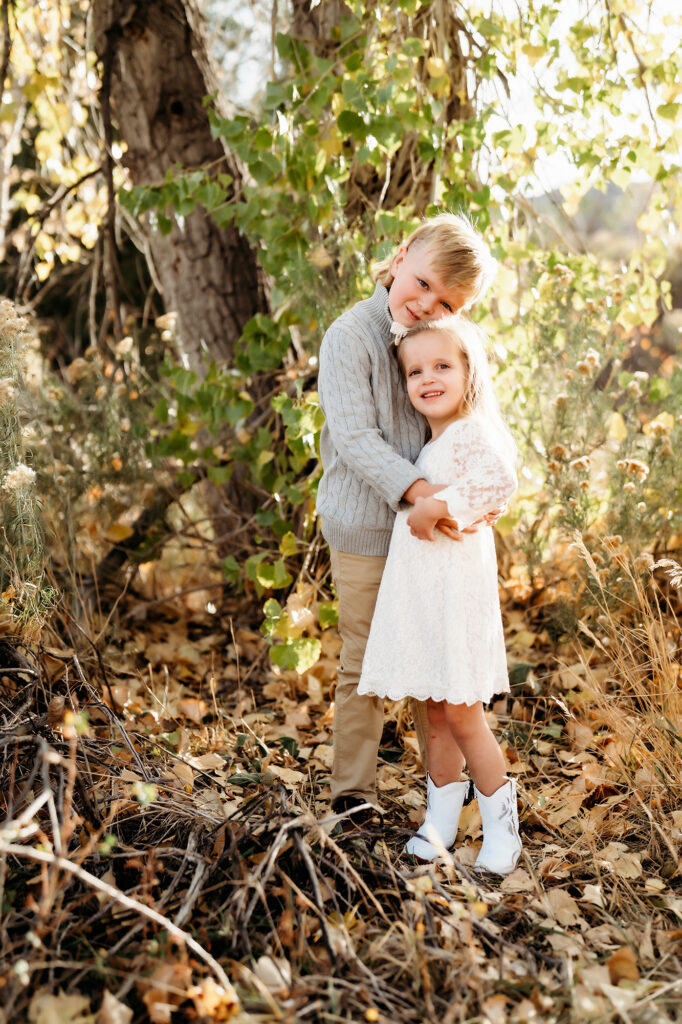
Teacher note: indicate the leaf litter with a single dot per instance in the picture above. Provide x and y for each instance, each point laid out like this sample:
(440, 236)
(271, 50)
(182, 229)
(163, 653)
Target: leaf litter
(188, 774)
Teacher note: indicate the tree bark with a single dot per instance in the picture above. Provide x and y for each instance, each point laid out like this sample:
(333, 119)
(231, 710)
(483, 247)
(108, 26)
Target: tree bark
(160, 74)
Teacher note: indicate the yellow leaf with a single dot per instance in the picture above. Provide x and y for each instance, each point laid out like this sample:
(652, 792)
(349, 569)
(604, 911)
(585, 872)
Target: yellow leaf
(436, 67)
(47, 145)
(534, 53)
(332, 146)
(617, 429)
(118, 532)
(75, 219)
(662, 424)
(524, 639)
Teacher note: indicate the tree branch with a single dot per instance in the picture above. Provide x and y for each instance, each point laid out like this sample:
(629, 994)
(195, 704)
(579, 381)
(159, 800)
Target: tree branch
(110, 265)
(6, 42)
(45, 857)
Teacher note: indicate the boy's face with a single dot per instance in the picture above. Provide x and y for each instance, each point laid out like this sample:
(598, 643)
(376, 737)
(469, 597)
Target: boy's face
(417, 293)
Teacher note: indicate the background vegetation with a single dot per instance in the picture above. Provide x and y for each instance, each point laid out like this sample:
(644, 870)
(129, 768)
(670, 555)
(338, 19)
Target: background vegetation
(171, 260)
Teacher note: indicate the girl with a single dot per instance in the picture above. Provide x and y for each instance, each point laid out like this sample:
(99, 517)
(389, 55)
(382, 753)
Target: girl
(437, 633)
(369, 440)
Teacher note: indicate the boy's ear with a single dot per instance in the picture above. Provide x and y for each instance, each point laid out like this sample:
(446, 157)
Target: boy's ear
(398, 258)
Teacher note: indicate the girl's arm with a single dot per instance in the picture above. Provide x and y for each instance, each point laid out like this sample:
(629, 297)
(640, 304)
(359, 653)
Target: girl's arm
(484, 480)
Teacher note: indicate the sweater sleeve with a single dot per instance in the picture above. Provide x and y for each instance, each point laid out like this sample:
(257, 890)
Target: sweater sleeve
(344, 384)
(484, 477)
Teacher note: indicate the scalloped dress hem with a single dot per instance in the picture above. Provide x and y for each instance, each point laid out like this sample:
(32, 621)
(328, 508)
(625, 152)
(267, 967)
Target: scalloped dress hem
(385, 694)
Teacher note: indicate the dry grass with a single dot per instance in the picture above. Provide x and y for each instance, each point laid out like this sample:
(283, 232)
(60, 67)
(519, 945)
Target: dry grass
(313, 926)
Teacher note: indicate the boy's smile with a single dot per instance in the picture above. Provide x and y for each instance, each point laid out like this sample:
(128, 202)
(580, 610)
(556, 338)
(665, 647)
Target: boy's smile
(417, 292)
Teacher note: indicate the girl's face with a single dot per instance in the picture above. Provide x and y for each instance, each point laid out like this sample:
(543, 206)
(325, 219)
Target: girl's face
(436, 376)
(417, 293)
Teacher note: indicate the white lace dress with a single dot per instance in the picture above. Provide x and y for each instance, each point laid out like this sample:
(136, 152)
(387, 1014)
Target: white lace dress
(437, 627)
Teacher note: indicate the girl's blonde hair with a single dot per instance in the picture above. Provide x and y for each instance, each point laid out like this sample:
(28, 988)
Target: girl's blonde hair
(479, 395)
(460, 256)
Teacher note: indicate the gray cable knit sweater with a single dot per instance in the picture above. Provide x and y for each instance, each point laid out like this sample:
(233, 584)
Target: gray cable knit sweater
(371, 433)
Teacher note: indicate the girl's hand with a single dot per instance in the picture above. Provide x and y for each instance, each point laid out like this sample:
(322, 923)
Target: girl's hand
(491, 517)
(424, 516)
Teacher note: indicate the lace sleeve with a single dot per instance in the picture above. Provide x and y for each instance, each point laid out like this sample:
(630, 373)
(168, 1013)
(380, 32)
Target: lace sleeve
(483, 475)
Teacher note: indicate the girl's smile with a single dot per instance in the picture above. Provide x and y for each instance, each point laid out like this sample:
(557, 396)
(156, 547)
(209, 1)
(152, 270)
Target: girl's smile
(436, 377)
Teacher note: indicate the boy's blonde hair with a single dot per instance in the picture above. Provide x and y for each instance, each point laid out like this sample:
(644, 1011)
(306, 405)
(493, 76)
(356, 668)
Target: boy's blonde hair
(479, 395)
(460, 256)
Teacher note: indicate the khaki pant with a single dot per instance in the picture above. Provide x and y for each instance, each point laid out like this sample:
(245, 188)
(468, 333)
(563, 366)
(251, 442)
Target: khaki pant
(359, 719)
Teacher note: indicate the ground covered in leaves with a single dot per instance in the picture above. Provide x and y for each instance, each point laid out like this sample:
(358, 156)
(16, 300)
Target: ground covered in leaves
(168, 854)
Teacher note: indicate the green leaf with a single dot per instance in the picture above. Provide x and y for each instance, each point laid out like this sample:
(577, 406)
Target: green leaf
(519, 672)
(328, 614)
(219, 474)
(300, 654)
(231, 569)
(288, 545)
(350, 123)
(413, 47)
(243, 778)
(669, 111)
(289, 744)
(273, 577)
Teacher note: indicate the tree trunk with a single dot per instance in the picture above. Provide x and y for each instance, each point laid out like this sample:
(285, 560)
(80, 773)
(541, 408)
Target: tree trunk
(160, 74)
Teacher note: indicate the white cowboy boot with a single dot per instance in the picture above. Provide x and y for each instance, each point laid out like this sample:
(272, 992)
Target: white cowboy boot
(501, 842)
(443, 808)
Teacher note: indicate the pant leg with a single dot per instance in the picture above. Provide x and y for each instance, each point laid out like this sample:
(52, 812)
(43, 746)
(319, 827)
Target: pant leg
(421, 725)
(358, 719)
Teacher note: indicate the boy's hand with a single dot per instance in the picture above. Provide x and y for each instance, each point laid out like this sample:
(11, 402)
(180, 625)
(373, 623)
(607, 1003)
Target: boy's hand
(424, 516)
(450, 528)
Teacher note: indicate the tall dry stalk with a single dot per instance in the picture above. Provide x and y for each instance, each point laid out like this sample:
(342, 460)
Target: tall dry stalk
(24, 591)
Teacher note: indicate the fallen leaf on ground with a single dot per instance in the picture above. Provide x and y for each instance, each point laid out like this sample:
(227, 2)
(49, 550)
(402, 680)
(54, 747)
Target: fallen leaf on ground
(622, 965)
(621, 861)
(193, 708)
(274, 973)
(518, 881)
(495, 1009)
(206, 762)
(288, 775)
(564, 908)
(165, 989)
(46, 1008)
(112, 1011)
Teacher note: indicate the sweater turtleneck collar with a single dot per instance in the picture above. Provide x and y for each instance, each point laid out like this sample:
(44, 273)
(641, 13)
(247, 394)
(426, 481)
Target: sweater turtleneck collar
(379, 312)
(380, 315)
